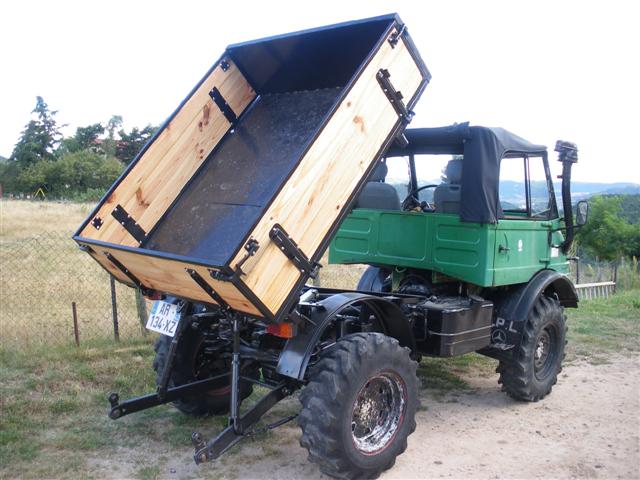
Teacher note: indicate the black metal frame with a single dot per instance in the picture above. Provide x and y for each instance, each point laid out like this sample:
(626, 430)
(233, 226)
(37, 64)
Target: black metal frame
(239, 425)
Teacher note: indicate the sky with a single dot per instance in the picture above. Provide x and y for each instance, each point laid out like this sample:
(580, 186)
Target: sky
(545, 70)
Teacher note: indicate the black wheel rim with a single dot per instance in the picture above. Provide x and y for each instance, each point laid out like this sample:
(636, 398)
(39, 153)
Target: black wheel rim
(378, 412)
(545, 352)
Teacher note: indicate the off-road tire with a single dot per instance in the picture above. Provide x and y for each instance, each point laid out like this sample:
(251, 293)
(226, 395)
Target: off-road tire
(526, 375)
(374, 279)
(338, 387)
(214, 402)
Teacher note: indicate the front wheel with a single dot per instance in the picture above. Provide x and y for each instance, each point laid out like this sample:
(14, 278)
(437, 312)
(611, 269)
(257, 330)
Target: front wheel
(359, 406)
(533, 370)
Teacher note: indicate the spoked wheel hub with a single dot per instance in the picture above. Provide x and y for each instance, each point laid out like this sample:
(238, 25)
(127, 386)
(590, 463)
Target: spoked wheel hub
(544, 355)
(378, 412)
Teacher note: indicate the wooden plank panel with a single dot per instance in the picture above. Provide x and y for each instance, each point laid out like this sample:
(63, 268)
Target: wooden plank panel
(170, 276)
(171, 160)
(331, 169)
(102, 260)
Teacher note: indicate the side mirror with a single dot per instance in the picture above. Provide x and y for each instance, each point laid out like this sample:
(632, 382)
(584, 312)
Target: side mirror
(582, 213)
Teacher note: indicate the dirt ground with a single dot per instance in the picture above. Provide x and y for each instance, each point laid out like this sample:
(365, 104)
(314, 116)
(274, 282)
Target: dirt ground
(588, 427)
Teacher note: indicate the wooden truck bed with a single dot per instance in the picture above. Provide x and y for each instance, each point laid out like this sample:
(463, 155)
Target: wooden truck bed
(238, 194)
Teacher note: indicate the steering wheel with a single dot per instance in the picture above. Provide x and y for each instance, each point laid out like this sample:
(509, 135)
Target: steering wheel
(412, 201)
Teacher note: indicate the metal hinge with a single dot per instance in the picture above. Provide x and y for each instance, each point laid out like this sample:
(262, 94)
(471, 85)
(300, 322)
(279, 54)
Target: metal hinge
(394, 96)
(129, 274)
(129, 224)
(395, 37)
(291, 250)
(222, 104)
(207, 288)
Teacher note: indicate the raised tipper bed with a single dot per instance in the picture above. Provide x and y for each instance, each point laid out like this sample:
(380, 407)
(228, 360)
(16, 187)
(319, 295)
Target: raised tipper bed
(237, 195)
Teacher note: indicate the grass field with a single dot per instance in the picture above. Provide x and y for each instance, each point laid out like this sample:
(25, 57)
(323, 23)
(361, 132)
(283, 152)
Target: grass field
(53, 405)
(42, 272)
(53, 400)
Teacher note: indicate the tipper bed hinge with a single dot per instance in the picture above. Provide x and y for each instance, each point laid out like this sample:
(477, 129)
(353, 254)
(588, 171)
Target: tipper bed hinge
(290, 248)
(208, 289)
(394, 96)
(127, 272)
(395, 36)
(129, 224)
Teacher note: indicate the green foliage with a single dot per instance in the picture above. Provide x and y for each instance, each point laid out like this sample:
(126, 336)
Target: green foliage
(39, 138)
(86, 138)
(9, 172)
(72, 175)
(607, 235)
(131, 143)
(109, 143)
(630, 208)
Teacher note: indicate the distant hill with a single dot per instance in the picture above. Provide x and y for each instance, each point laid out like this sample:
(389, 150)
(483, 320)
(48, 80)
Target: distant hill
(514, 192)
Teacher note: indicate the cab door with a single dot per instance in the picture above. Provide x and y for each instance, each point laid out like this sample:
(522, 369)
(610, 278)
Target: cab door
(523, 233)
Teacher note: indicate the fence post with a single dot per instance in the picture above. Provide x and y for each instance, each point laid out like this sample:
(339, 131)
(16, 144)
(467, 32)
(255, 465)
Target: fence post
(76, 333)
(578, 270)
(114, 309)
(141, 307)
(615, 275)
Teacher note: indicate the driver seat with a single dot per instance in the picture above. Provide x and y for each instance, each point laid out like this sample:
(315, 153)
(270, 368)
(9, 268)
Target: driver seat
(378, 195)
(447, 195)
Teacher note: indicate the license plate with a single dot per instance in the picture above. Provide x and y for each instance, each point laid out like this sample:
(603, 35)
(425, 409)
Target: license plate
(164, 318)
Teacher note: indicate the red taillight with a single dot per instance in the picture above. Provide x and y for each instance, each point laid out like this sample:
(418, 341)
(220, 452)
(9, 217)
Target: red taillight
(153, 295)
(282, 330)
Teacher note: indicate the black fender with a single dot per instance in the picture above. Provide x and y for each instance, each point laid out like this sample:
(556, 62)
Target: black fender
(513, 307)
(295, 356)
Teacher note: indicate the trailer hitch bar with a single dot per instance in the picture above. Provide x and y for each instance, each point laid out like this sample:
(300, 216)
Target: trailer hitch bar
(154, 399)
(205, 452)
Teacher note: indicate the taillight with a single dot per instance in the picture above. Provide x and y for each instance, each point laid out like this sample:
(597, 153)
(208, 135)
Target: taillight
(282, 330)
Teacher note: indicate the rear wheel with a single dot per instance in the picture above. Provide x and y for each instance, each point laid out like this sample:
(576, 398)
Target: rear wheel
(374, 279)
(359, 406)
(533, 370)
(191, 364)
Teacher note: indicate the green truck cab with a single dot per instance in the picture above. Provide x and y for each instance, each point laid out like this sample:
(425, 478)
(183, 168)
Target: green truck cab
(464, 229)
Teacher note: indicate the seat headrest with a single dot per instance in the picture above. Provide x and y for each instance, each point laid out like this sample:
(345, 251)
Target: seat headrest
(453, 171)
(379, 173)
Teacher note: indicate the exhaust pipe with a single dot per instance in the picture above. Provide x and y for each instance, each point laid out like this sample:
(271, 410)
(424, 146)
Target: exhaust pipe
(568, 155)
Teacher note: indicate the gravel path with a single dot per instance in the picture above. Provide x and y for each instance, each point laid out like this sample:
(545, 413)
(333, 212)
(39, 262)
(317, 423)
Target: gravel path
(589, 427)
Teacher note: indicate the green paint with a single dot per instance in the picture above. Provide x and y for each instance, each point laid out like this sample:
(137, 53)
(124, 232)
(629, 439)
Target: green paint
(470, 252)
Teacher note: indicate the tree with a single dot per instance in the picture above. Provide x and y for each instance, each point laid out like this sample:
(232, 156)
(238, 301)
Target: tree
(109, 143)
(39, 138)
(131, 143)
(607, 235)
(72, 175)
(86, 138)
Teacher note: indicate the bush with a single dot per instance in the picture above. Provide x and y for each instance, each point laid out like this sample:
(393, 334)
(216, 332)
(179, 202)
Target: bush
(79, 175)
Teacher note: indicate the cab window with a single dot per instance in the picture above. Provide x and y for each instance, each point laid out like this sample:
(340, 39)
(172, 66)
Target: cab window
(523, 189)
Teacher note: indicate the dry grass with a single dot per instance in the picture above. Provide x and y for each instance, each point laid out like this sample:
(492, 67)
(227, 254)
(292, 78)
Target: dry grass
(42, 272)
(21, 219)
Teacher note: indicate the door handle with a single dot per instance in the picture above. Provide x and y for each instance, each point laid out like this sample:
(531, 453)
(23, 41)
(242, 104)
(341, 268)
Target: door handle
(503, 249)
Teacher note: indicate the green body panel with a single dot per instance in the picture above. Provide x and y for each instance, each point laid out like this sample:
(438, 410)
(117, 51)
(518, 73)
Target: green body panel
(469, 252)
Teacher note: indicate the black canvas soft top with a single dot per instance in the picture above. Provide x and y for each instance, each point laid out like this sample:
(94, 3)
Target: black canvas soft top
(483, 149)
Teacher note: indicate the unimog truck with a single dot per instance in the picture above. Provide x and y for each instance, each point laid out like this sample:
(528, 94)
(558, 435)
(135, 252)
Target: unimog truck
(281, 152)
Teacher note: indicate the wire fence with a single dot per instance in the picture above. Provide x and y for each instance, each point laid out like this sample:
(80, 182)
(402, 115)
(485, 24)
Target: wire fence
(624, 272)
(52, 293)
